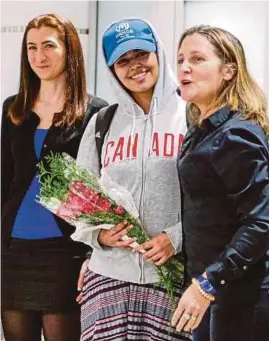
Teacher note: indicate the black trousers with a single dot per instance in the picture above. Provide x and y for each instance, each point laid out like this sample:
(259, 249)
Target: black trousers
(233, 319)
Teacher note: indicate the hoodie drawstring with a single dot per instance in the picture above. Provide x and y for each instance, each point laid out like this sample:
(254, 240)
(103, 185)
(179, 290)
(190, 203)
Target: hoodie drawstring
(154, 114)
(132, 132)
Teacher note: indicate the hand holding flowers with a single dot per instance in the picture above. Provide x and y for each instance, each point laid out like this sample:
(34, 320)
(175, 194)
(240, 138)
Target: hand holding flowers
(90, 204)
(113, 237)
(158, 249)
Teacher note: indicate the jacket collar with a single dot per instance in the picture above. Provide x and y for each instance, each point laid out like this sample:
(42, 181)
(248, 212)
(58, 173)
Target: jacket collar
(211, 123)
(220, 117)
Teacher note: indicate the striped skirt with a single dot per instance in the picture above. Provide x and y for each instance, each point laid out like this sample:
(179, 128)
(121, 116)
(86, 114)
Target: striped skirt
(121, 311)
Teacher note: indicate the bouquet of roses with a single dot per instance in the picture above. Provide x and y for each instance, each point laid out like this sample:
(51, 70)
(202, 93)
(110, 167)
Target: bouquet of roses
(80, 197)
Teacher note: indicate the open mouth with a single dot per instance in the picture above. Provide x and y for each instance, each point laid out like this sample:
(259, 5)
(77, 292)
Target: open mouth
(139, 76)
(185, 82)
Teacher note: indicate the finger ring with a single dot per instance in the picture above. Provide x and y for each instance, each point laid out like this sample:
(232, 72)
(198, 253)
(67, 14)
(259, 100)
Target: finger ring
(194, 318)
(186, 316)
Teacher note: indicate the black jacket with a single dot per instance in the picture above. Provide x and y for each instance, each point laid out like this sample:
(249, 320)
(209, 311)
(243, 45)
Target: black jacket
(224, 175)
(18, 159)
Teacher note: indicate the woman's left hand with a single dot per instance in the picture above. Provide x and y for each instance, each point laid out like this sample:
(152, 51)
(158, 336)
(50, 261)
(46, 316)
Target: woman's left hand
(190, 310)
(158, 249)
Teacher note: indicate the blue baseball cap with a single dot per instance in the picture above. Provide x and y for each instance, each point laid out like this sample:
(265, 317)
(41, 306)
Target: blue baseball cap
(126, 35)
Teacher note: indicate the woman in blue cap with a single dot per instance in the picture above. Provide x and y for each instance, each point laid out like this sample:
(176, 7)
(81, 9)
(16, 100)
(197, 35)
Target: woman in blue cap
(120, 298)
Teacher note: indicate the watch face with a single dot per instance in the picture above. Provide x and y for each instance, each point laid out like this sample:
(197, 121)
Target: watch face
(206, 285)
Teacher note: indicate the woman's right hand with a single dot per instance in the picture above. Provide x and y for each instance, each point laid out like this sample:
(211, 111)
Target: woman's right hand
(112, 237)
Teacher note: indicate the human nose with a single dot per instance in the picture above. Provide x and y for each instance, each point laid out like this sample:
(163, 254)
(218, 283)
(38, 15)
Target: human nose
(134, 63)
(40, 55)
(184, 66)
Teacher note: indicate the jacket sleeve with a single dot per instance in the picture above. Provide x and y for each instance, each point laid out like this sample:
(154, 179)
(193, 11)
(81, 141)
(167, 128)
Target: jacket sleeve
(7, 162)
(240, 157)
(88, 159)
(175, 235)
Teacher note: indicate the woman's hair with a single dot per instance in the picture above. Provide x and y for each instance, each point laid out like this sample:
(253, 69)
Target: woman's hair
(75, 92)
(241, 92)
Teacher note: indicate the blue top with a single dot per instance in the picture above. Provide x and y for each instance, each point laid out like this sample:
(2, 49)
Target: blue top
(34, 221)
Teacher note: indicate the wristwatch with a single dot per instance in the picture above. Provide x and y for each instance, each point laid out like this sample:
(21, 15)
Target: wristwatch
(206, 286)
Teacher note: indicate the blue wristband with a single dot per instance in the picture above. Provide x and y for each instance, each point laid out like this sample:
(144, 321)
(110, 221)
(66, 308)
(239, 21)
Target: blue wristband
(206, 286)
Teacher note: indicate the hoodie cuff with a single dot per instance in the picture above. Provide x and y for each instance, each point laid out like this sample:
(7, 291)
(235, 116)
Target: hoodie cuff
(94, 242)
(88, 234)
(175, 235)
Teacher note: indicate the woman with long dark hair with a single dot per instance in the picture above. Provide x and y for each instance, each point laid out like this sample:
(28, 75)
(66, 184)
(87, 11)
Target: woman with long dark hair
(40, 263)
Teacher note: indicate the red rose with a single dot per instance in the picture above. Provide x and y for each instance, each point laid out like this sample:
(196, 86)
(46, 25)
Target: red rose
(82, 190)
(89, 208)
(94, 198)
(103, 204)
(75, 201)
(84, 200)
(119, 210)
(65, 211)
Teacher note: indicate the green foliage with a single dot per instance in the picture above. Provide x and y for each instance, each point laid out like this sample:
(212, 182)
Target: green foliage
(170, 273)
(56, 180)
(61, 172)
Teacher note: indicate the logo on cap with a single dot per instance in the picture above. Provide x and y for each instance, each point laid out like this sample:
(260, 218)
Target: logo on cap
(122, 26)
(127, 35)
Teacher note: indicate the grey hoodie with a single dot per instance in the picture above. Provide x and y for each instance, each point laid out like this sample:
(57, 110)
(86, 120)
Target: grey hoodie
(139, 153)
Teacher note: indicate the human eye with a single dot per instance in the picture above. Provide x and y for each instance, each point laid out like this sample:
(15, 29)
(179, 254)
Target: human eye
(197, 59)
(180, 61)
(49, 46)
(122, 61)
(31, 48)
(142, 53)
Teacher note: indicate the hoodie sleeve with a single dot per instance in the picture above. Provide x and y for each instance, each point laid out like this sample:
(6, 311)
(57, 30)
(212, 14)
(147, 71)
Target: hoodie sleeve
(175, 235)
(88, 159)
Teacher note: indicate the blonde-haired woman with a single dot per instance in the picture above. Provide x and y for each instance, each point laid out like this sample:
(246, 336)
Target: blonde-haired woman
(224, 175)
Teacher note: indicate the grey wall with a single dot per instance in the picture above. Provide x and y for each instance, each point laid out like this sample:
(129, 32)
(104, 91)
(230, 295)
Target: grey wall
(246, 19)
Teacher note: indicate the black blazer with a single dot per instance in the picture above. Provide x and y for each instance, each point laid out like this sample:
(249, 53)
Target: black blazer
(18, 159)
